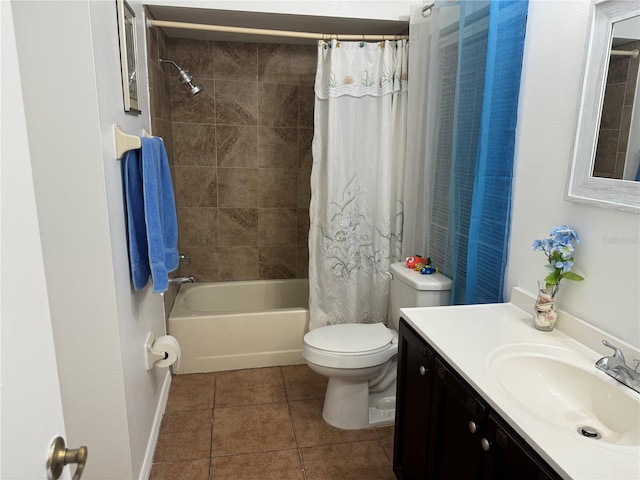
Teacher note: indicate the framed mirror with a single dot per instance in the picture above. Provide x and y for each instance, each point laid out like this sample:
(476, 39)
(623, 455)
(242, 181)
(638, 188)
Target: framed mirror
(606, 152)
(128, 56)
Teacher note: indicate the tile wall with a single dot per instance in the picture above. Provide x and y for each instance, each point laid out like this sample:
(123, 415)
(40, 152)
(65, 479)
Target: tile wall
(240, 153)
(616, 114)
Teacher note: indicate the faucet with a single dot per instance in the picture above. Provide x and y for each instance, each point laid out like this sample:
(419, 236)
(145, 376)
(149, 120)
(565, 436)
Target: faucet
(181, 280)
(616, 367)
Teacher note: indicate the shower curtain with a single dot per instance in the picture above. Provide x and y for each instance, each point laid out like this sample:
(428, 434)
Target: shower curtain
(356, 210)
(421, 131)
(472, 70)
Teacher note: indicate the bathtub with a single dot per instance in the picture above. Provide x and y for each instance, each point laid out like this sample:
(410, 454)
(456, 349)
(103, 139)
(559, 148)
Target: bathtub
(242, 324)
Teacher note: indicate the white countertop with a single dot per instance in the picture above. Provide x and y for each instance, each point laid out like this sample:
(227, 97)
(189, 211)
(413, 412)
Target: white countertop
(465, 336)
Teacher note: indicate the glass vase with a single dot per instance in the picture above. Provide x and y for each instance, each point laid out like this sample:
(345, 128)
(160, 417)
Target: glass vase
(544, 310)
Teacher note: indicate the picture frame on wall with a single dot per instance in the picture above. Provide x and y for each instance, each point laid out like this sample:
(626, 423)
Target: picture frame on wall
(128, 56)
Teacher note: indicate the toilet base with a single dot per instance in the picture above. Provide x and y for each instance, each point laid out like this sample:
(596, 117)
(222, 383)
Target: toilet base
(350, 406)
(382, 409)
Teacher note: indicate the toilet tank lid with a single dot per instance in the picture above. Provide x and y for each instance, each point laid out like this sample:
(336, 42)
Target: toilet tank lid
(419, 281)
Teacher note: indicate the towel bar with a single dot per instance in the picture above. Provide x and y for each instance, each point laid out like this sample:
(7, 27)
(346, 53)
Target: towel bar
(126, 142)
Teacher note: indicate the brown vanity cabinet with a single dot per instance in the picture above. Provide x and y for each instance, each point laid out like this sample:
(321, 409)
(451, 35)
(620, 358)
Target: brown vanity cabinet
(445, 430)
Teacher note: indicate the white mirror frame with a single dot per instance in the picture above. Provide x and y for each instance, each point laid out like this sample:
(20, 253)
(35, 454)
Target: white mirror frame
(582, 186)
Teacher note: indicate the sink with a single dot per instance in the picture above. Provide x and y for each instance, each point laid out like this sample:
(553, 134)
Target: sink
(564, 388)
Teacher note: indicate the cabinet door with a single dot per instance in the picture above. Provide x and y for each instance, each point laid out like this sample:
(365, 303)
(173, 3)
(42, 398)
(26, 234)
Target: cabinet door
(458, 424)
(413, 399)
(510, 457)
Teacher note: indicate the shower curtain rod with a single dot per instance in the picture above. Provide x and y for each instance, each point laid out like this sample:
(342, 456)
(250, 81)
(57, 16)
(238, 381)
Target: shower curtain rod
(273, 33)
(627, 53)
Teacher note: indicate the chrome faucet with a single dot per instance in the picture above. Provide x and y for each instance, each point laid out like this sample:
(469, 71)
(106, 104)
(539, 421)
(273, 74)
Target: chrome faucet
(181, 280)
(616, 367)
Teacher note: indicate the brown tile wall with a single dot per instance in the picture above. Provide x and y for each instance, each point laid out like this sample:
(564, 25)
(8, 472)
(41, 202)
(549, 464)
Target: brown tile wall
(616, 114)
(241, 154)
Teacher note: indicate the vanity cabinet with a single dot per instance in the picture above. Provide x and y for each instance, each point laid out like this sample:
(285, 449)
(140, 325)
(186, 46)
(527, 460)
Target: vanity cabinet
(415, 373)
(446, 430)
(510, 457)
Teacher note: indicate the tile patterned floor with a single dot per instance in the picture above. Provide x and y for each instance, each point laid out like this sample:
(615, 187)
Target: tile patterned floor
(263, 423)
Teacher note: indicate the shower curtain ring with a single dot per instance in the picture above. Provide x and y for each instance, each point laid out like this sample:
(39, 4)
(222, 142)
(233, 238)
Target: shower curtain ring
(427, 9)
(362, 41)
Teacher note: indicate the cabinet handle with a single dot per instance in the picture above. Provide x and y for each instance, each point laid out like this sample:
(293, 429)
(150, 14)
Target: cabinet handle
(423, 370)
(485, 444)
(473, 428)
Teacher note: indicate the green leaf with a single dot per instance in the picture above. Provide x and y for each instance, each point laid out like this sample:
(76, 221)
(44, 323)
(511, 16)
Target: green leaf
(553, 278)
(573, 276)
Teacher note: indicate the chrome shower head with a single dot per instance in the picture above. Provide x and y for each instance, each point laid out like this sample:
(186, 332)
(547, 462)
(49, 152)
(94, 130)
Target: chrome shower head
(194, 89)
(185, 78)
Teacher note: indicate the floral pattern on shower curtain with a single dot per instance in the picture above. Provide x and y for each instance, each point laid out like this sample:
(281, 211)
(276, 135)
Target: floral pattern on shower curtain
(356, 210)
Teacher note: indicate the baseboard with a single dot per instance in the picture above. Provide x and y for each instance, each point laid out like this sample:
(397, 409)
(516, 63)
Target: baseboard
(145, 471)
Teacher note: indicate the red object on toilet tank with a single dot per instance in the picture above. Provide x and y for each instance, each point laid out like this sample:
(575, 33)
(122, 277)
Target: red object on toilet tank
(415, 260)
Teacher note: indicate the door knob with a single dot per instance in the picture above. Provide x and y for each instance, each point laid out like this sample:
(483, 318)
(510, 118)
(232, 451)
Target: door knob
(59, 456)
(423, 370)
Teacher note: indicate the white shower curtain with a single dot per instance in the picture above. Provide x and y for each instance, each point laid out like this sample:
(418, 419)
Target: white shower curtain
(356, 210)
(421, 134)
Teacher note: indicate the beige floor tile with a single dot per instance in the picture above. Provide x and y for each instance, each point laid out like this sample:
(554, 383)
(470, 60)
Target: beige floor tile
(347, 461)
(279, 465)
(251, 428)
(249, 387)
(311, 429)
(385, 432)
(191, 470)
(387, 444)
(302, 383)
(184, 436)
(191, 392)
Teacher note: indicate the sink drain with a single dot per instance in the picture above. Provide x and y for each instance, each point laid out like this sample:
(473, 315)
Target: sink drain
(589, 432)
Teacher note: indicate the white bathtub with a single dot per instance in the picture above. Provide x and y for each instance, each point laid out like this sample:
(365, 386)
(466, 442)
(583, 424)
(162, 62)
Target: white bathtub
(243, 324)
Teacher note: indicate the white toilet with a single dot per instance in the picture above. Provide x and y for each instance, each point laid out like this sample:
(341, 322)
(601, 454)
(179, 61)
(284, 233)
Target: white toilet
(360, 359)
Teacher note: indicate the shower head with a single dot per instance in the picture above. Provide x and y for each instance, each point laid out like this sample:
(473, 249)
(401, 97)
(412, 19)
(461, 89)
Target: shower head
(185, 78)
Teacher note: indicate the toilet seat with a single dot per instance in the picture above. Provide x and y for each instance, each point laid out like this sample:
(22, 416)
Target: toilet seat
(350, 345)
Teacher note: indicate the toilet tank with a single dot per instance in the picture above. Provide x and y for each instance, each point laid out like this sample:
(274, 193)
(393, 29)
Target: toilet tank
(410, 288)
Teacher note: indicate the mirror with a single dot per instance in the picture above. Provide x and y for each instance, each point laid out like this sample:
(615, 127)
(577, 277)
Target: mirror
(618, 153)
(605, 163)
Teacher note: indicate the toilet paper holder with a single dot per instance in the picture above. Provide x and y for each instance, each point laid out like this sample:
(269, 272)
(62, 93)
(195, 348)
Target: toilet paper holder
(151, 354)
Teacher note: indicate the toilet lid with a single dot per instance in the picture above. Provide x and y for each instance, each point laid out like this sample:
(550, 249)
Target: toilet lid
(349, 337)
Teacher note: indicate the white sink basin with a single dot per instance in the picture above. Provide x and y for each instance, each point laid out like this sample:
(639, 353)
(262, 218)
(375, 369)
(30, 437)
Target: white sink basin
(563, 388)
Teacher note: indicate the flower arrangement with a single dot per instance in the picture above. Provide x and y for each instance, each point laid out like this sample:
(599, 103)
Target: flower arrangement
(559, 250)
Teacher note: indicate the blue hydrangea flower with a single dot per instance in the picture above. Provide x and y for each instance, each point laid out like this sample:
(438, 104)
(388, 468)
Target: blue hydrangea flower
(559, 248)
(566, 250)
(565, 266)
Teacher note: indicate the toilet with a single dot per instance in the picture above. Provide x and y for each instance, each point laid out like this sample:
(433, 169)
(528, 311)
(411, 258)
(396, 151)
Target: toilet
(360, 360)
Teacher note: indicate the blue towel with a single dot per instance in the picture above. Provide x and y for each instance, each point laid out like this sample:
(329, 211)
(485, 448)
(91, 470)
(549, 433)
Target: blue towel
(138, 257)
(151, 215)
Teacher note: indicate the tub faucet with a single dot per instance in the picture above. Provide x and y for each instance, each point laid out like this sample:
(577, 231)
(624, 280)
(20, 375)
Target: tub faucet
(181, 280)
(616, 367)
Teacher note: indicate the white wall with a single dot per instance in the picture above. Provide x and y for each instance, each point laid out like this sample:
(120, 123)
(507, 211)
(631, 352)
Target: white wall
(609, 252)
(137, 312)
(69, 62)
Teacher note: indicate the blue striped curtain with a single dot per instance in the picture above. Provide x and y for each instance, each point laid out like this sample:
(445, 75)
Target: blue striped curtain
(491, 202)
(480, 62)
